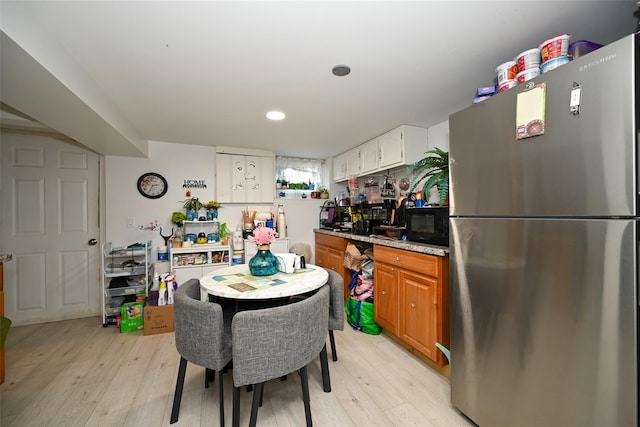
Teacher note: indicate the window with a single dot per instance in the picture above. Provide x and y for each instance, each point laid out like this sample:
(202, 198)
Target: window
(294, 170)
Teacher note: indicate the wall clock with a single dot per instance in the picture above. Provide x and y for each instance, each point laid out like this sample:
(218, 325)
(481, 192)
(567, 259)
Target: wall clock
(152, 185)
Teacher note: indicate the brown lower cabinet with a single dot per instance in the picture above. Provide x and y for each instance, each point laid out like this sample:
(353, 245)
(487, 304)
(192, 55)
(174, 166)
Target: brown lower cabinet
(411, 298)
(330, 254)
(411, 292)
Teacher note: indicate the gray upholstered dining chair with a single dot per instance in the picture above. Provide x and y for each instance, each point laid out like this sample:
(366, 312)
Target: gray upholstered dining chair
(273, 342)
(203, 337)
(336, 308)
(336, 323)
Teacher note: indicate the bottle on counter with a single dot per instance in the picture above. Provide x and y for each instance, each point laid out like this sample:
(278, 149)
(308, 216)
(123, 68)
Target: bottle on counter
(162, 294)
(237, 241)
(281, 223)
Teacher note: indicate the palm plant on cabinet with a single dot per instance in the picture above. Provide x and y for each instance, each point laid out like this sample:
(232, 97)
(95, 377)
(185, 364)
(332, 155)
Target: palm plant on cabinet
(431, 171)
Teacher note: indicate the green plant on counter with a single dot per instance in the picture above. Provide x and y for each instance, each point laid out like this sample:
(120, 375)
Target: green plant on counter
(178, 218)
(192, 204)
(322, 189)
(431, 171)
(223, 230)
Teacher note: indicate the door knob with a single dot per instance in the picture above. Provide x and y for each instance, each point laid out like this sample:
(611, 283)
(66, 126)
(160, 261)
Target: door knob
(92, 242)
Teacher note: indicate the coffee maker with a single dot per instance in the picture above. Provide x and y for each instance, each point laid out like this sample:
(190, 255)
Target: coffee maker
(376, 214)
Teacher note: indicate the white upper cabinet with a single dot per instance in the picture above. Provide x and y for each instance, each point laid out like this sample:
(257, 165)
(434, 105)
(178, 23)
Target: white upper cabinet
(402, 146)
(353, 162)
(439, 136)
(340, 167)
(243, 177)
(398, 147)
(390, 147)
(369, 156)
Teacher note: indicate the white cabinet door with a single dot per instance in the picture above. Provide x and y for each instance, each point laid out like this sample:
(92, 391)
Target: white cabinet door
(242, 179)
(369, 156)
(439, 136)
(391, 146)
(238, 184)
(259, 179)
(340, 167)
(402, 146)
(353, 162)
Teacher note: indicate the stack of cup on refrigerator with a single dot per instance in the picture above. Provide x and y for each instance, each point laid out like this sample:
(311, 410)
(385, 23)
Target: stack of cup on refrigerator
(555, 52)
(528, 65)
(507, 75)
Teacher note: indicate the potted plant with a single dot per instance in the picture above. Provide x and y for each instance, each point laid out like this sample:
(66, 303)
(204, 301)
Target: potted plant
(192, 205)
(212, 209)
(324, 192)
(178, 218)
(431, 171)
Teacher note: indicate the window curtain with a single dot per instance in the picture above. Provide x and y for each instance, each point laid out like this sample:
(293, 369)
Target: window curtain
(297, 170)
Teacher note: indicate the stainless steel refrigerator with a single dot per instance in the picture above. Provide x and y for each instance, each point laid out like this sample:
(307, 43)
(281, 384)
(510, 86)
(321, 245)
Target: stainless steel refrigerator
(544, 248)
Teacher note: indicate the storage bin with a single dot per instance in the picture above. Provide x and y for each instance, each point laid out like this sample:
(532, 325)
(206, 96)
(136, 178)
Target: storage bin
(581, 47)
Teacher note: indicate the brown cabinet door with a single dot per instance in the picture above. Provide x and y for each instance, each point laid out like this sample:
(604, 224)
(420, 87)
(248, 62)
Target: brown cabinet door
(330, 254)
(419, 312)
(335, 260)
(321, 256)
(385, 296)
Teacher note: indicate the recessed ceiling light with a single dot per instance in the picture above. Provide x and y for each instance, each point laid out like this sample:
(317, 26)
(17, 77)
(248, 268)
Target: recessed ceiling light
(275, 115)
(341, 70)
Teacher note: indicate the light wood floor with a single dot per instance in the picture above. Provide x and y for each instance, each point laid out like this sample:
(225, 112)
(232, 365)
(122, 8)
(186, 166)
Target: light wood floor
(77, 373)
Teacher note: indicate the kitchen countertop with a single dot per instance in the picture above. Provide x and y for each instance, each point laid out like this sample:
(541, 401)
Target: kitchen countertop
(398, 244)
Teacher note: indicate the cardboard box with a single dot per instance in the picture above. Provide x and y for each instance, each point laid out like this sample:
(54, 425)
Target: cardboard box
(158, 319)
(132, 317)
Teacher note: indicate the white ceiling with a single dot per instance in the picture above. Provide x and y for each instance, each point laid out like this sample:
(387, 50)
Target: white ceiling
(115, 74)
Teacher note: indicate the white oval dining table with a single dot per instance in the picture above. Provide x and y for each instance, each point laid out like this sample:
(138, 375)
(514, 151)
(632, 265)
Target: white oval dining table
(237, 282)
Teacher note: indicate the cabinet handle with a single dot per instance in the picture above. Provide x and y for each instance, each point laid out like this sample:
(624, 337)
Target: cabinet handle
(384, 292)
(397, 258)
(413, 305)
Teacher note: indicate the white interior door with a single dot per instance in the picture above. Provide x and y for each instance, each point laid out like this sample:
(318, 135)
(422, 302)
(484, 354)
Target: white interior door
(50, 192)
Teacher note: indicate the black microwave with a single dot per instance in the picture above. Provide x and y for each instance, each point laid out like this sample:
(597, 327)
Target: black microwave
(428, 224)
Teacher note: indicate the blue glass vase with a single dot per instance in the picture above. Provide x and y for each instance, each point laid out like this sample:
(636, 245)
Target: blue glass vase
(263, 263)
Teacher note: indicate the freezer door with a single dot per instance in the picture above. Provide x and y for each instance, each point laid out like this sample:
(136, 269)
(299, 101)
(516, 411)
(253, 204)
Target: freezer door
(544, 322)
(583, 164)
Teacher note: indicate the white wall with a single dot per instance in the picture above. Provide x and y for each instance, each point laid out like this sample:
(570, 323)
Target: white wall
(177, 163)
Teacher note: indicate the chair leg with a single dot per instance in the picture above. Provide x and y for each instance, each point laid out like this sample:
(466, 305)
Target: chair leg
(236, 407)
(221, 393)
(256, 402)
(209, 377)
(261, 394)
(324, 364)
(304, 379)
(332, 340)
(177, 396)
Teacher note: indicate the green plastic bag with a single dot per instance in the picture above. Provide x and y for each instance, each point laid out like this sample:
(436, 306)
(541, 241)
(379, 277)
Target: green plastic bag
(360, 316)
